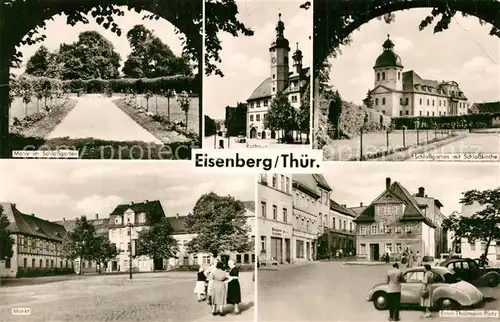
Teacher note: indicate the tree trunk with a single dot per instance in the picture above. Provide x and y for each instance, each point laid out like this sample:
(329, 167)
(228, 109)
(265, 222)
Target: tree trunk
(168, 108)
(37, 105)
(156, 104)
(487, 248)
(186, 120)
(147, 104)
(25, 109)
(4, 99)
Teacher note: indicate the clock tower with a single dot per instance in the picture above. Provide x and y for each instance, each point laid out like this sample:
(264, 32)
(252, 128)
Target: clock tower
(279, 60)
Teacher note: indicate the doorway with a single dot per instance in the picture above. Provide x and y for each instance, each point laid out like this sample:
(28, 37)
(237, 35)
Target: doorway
(374, 252)
(277, 249)
(253, 133)
(273, 135)
(224, 259)
(263, 135)
(287, 251)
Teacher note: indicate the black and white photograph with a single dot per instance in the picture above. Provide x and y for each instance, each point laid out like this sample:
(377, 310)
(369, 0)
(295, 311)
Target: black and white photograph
(113, 80)
(125, 241)
(260, 97)
(378, 242)
(407, 80)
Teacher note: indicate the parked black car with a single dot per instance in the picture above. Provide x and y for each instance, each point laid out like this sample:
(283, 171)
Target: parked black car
(469, 270)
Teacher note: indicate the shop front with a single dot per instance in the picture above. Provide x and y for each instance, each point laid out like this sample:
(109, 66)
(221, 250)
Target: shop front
(275, 242)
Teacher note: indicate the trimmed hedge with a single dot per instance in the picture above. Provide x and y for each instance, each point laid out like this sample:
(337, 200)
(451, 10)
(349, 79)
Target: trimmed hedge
(469, 121)
(132, 85)
(38, 272)
(91, 148)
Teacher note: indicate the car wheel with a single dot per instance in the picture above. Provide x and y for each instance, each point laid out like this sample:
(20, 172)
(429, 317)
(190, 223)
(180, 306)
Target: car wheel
(448, 304)
(380, 301)
(493, 281)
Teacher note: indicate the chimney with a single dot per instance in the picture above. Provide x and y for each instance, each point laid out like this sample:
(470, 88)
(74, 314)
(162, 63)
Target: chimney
(33, 215)
(425, 196)
(132, 203)
(421, 191)
(13, 205)
(344, 205)
(178, 216)
(64, 219)
(387, 183)
(361, 204)
(146, 201)
(96, 216)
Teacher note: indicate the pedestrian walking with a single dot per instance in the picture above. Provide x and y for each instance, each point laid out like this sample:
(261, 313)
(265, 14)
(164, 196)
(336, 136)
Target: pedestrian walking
(410, 259)
(199, 288)
(419, 259)
(218, 289)
(233, 287)
(394, 280)
(208, 274)
(426, 292)
(341, 252)
(386, 258)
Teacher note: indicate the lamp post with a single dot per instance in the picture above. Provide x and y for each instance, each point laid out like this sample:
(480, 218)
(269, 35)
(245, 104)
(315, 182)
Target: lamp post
(130, 250)
(82, 244)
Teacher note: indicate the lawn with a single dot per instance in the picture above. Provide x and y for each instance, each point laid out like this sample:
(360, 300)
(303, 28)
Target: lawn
(20, 110)
(159, 104)
(373, 142)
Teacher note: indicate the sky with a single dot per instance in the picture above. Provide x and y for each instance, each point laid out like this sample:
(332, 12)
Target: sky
(53, 189)
(245, 60)
(354, 182)
(465, 53)
(58, 32)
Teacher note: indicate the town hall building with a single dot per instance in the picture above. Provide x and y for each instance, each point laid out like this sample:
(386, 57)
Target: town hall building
(406, 94)
(282, 79)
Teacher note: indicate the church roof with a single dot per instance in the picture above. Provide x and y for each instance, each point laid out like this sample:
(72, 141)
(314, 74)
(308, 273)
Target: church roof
(262, 91)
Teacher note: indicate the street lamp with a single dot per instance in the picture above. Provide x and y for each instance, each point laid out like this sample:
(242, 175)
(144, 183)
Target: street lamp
(130, 249)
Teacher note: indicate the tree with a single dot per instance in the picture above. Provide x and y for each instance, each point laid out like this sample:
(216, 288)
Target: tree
(169, 94)
(80, 243)
(24, 89)
(281, 114)
(183, 101)
(219, 224)
(484, 224)
(103, 250)
(304, 115)
(334, 112)
(210, 126)
(6, 241)
(368, 101)
(157, 241)
(39, 63)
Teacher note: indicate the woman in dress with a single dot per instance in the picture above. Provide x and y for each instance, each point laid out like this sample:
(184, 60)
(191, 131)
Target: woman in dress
(218, 289)
(233, 287)
(199, 288)
(208, 274)
(426, 293)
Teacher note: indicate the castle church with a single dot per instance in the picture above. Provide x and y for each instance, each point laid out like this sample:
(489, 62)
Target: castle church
(291, 82)
(406, 94)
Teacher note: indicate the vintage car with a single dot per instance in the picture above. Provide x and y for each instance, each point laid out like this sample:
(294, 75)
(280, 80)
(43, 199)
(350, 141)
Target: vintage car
(241, 139)
(449, 291)
(470, 271)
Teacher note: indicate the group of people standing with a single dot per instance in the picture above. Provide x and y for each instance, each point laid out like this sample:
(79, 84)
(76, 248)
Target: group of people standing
(219, 287)
(408, 258)
(394, 280)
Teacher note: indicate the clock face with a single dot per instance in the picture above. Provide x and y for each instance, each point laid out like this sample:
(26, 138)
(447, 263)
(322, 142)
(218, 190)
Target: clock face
(273, 60)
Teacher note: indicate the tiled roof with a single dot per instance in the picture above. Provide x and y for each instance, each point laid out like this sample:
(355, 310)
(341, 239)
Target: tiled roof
(338, 208)
(357, 210)
(306, 183)
(250, 205)
(101, 225)
(367, 215)
(320, 179)
(178, 224)
(30, 225)
(412, 82)
(146, 206)
(490, 107)
(262, 91)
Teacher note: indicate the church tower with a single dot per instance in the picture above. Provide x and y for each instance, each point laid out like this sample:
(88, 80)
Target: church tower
(388, 69)
(279, 51)
(297, 60)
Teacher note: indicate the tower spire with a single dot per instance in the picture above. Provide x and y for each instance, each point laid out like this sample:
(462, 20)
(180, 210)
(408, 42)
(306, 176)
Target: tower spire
(280, 27)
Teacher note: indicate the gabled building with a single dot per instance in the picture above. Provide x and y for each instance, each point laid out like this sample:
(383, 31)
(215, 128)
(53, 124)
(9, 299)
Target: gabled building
(37, 243)
(290, 81)
(397, 220)
(125, 222)
(183, 236)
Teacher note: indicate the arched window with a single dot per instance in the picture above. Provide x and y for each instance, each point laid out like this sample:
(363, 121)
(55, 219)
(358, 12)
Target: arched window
(383, 75)
(378, 76)
(399, 75)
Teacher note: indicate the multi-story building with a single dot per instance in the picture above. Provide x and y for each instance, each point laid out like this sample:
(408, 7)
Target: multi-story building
(102, 229)
(311, 206)
(406, 94)
(339, 234)
(274, 221)
(476, 248)
(291, 83)
(125, 223)
(183, 236)
(397, 220)
(37, 243)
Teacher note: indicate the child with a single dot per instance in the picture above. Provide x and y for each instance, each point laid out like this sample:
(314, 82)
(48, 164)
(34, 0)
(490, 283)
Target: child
(199, 288)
